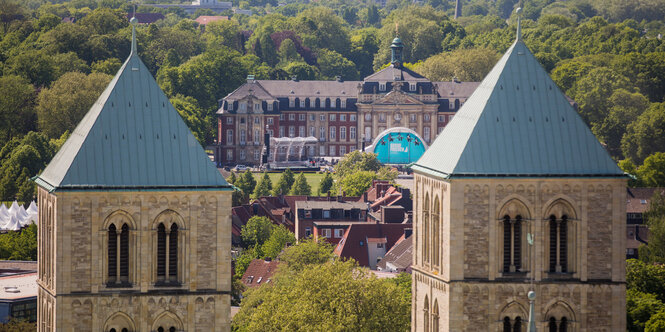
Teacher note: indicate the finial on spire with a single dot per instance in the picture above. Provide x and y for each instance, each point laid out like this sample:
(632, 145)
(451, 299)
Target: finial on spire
(396, 29)
(133, 21)
(518, 11)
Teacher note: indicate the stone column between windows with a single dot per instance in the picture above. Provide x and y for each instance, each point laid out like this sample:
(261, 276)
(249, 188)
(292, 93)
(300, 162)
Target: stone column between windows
(167, 250)
(558, 246)
(117, 255)
(512, 245)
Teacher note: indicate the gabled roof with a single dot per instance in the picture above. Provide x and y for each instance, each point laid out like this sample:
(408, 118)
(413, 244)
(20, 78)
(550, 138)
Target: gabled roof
(312, 89)
(400, 255)
(456, 89)
(131, 138)
(259, 272)
(392, 73)
(517, 123)
(253, 88)
(354, 242)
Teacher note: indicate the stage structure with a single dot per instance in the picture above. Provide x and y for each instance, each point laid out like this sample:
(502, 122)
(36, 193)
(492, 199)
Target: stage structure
(398, 146)
(291, 151)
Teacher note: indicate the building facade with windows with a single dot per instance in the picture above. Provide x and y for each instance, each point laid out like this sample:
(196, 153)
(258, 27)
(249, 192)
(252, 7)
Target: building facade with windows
(517, 195)
(135, 227)
(339, 114)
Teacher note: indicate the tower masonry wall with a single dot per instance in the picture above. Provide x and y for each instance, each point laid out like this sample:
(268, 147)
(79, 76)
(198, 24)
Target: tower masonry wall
(467, 277)
(84, 298)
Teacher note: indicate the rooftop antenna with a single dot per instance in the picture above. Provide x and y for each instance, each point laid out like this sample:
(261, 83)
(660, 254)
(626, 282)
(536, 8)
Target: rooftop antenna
(518, 11)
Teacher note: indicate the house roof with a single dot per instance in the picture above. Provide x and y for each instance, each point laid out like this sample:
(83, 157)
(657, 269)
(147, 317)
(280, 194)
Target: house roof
(328, 205)
(311, 89)
(354, 243)
(254, 88)
(456, 89)
(517, 123)
(259, 272)
(400, 255)
(131, 138)
(21, 286)
(392, 73)
(146, 18)
(638, 199)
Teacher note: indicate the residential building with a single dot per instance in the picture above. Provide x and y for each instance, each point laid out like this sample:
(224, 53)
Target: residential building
(638, 201)
(134, 219)
(342, 115)
(259, 272)
(330, 217)
(517, 195)
(400, 256)
(18, 291)
(368, 243)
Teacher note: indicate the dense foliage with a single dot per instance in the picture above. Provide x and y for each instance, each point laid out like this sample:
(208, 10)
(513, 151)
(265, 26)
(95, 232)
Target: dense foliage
(331, 295)
(21, 245)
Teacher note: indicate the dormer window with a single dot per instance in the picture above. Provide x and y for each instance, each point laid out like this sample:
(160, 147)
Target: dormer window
(243, 106)
(382, 86)
(230, 106)
(333, 103)
(412, 87)
(343, 103)
(257, 107)
(302, 103)
(269, 106)
(292, 103)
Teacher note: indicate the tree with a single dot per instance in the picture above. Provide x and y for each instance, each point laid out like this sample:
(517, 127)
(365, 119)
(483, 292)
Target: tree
(246, 183)
(300, 186)
(256, 231)
(264, 187)
(655, 219)
(640, 307)
(16, 106)
(62, 106)
(288, 52)
(463, 64)
(307, 252)
(625, 109)
(357, 183)
(284, 183)
(652, 172)
(629, 167)
(337, 295)
(646, 135)
(357, 161)
(198, 120)
(326, 184)
(14, 325)
(321, 28)
(109, 66)
(279, 238)
(301, 70)
(656, 323)
(103, 21)
(332, 64)
(592, 93)
(223, 33)
(19, 245)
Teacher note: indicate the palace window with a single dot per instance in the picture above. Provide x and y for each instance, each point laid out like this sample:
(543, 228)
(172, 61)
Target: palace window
(229, 155)
(257, 136)
(292, 131)
(413, 118)
(343, 103)
(242, 155)
(257, 154)
(322, 134)
(342, 150)
(368, 117)
(512, 243)
(382, 86)
(230, 106)
(352, 117)
(229, 120)
(333, 103)
(281, 131)
(333, 117)
(302, 103)
(426, 133)
(426, 117)
(322, 118)
(342, 117)
(269, 106)
(243, 136)
(412, 86)
(229, 136)
(352, 133)
(301, 117)
(558, 244)
(342, 133)
(292, 117)
(281, 117)
(292, 103)
(312, 131)
(435, 316)
(333, 133)
(257, 107)
(382, 117)
(312, 117)
(332, 150)
(243, 106)
(301, 131)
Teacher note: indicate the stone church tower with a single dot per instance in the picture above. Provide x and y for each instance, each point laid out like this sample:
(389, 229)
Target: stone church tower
(134, 219)
(516, 194)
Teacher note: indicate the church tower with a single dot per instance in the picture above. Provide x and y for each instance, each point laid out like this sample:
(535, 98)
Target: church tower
(516, 194)
(134, 219)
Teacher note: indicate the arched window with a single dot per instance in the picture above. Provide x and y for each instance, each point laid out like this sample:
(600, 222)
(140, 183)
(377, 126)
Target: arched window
(517, 326)
(173, 253)
(435, 316)
(124, 254)
(558, 244)
(436, 244)
(512, 244)
(161, 252)
(426, 231)
(112, 254)
(506, 324)
(426, 314)
(563, 325)
(551, 326)
(125, 330)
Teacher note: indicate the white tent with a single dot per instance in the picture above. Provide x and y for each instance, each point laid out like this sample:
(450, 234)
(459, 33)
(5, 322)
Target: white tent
(16, 217)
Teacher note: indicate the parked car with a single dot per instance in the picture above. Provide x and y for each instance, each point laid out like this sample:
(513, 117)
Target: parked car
(240, 168)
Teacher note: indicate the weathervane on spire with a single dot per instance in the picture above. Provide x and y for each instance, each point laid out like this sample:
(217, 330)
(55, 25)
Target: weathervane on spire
(518, 11)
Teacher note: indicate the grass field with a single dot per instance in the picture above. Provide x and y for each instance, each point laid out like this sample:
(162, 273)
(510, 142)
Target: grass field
(312, 178)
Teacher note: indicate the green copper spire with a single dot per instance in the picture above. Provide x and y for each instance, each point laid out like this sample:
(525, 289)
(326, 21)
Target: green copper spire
(396, 49)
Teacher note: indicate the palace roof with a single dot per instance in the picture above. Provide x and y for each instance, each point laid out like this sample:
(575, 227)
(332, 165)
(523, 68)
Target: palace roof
(517, 123)
(131, 138)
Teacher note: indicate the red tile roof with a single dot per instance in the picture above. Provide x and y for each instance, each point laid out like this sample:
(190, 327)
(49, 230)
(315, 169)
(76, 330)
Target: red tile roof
(638, 199)
(259, 272)
(350, 245)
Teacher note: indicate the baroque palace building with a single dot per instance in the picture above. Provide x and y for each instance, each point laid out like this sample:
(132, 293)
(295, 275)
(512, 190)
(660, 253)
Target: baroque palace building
(515, 195)
(135, 230)
(339, 114)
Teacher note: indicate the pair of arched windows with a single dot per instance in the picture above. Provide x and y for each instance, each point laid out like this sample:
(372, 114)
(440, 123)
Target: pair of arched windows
(431, 233)
(557, 326)
(512, 325)
(431, 319)
(118, 255)
(167, 253)
(123, 330)
(170, 329)
(558, 247)
(512, 244)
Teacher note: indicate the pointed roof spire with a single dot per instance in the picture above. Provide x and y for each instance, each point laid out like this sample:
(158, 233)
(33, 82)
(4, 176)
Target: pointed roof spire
(518, 11)
(133, 21)
(517, 123)
(131, 138)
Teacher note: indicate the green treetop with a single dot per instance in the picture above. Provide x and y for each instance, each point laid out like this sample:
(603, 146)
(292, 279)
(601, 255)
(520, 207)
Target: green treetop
(263, 187)
(284, 183)
(300, 186)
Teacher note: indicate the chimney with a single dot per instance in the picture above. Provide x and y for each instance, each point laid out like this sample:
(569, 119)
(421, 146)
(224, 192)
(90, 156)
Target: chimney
(365, 196)
(338, 78)
(294, 78)
(250, 78)
(408, 232)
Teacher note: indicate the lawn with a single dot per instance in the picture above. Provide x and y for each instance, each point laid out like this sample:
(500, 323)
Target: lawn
(312, 178)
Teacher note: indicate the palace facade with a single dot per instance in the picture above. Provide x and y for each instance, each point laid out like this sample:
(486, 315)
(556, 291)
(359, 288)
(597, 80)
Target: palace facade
(517, 195)
(342, 115)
